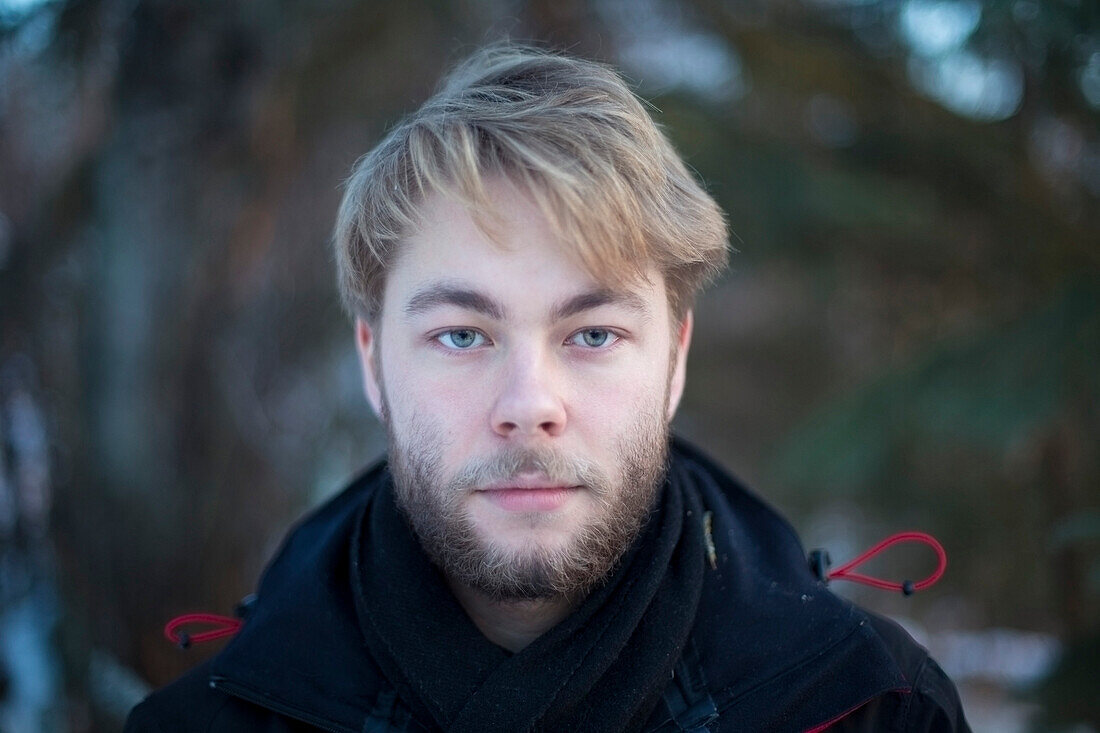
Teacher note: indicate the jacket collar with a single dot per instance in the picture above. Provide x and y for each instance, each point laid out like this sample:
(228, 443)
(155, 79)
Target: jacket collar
(301, 651)
(777, 649)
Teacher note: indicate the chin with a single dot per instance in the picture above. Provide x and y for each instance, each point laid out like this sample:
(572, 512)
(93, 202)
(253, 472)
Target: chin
(535, 538)
(524, 533)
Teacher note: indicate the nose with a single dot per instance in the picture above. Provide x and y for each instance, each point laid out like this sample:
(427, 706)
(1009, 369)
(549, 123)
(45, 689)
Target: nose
(529, 403)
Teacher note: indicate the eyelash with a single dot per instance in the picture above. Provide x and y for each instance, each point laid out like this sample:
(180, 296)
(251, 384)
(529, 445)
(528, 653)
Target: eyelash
(613, 335)
(439, 336)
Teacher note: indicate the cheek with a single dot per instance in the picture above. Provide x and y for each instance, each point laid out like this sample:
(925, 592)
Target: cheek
(435, 404)
(604, 406)
(445, 402)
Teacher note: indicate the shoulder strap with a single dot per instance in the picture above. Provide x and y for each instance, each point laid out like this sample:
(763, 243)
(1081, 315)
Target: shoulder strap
(687, 697)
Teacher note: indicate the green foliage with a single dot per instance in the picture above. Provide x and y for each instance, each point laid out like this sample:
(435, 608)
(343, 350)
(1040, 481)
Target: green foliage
(984, 393)
(1068, 695)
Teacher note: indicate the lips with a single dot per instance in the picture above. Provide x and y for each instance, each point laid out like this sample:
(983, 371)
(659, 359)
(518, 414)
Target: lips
(518, 495)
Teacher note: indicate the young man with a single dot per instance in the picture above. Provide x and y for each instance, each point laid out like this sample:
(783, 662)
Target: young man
(520, 258)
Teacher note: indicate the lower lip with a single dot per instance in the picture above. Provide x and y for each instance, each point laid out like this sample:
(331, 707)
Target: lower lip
(531, 500)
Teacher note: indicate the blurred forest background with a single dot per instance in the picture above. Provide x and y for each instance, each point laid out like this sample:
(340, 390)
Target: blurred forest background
(909, 337)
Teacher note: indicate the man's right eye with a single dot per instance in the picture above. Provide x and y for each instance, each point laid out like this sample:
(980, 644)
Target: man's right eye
(461, 338)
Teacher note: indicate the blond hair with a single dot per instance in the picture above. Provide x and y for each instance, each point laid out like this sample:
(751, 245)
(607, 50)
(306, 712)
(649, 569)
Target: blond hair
(571, 135)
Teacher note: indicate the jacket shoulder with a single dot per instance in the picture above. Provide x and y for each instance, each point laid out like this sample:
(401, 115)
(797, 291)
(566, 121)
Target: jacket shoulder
(187, 704)
(932, 705)
(191, 705)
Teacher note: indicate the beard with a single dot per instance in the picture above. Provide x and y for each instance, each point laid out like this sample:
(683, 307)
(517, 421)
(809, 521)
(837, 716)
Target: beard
(435, 507)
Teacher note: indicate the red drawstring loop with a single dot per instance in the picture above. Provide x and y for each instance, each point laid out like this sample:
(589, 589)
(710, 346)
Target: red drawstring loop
(819, 562)
(844, 572)
(224, 626)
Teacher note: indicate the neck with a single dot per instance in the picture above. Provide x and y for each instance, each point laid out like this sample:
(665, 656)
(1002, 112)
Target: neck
(511, 624)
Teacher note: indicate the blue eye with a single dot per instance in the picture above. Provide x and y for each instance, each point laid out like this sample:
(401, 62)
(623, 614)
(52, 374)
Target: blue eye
(461, 338)
(593, 338)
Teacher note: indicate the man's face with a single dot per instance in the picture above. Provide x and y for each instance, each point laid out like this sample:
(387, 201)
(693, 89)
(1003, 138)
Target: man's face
(527, 407)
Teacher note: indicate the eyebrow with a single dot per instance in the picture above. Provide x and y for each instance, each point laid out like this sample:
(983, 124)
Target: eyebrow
(440, 294)
(445, 293)
(597, 298)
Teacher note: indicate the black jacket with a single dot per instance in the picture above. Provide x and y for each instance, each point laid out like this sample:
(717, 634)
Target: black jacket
(771, 648)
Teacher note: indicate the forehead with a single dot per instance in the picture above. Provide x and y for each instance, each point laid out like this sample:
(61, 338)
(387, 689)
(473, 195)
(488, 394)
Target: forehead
(511, 252)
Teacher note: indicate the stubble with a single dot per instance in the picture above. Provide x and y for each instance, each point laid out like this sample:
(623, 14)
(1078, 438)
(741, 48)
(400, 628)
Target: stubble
(436, 508)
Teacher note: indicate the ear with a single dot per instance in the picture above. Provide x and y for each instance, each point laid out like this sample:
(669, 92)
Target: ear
(366, 344)
(679, 369)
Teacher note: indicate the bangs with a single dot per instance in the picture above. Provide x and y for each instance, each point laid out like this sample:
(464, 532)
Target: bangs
(570, 135)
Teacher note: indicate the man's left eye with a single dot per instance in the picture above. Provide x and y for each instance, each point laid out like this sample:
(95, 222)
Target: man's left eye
(593, 338)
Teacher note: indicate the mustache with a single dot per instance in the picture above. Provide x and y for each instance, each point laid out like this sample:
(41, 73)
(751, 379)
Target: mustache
(507, 464)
